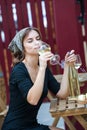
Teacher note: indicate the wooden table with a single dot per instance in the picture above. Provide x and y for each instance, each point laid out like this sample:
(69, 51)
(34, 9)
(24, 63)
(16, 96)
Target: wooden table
(67, 108)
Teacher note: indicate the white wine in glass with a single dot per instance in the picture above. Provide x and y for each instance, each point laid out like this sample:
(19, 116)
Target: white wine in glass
(46, 48)
(78, 62)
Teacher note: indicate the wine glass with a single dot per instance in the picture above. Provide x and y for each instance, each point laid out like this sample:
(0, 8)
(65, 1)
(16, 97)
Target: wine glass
(45, 48)
(78, 62)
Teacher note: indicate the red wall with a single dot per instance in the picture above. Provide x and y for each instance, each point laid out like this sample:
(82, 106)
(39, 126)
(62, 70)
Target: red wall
(68, 28)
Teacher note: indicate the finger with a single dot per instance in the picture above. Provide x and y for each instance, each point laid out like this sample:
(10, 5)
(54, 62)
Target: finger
(71, 59)
(71, 52)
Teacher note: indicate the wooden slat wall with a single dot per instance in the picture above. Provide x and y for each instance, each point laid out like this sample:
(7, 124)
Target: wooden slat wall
(19, 14)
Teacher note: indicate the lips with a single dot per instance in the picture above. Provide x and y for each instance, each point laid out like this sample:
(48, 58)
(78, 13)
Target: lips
(36, 47)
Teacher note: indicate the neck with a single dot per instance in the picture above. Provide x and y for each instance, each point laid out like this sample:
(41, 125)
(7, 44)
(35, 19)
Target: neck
(31, 61)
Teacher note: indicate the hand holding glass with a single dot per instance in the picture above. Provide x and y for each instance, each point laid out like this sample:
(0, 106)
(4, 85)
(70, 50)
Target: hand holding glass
(45, 48)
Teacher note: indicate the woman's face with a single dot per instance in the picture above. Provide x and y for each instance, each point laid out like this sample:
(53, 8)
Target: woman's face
(32, 42)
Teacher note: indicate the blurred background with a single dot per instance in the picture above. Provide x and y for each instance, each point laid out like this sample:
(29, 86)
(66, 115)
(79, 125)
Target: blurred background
(63, 24)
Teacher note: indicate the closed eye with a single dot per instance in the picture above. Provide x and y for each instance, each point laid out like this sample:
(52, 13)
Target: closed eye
(30, 40)
(38, 38)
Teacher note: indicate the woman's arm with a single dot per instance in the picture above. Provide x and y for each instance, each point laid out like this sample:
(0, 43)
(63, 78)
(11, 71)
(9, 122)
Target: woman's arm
(35, 92)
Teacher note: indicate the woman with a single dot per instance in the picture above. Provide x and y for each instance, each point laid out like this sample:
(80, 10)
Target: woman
(30, 81)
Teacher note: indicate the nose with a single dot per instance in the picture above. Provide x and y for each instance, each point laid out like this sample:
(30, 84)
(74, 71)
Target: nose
(38, 43)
